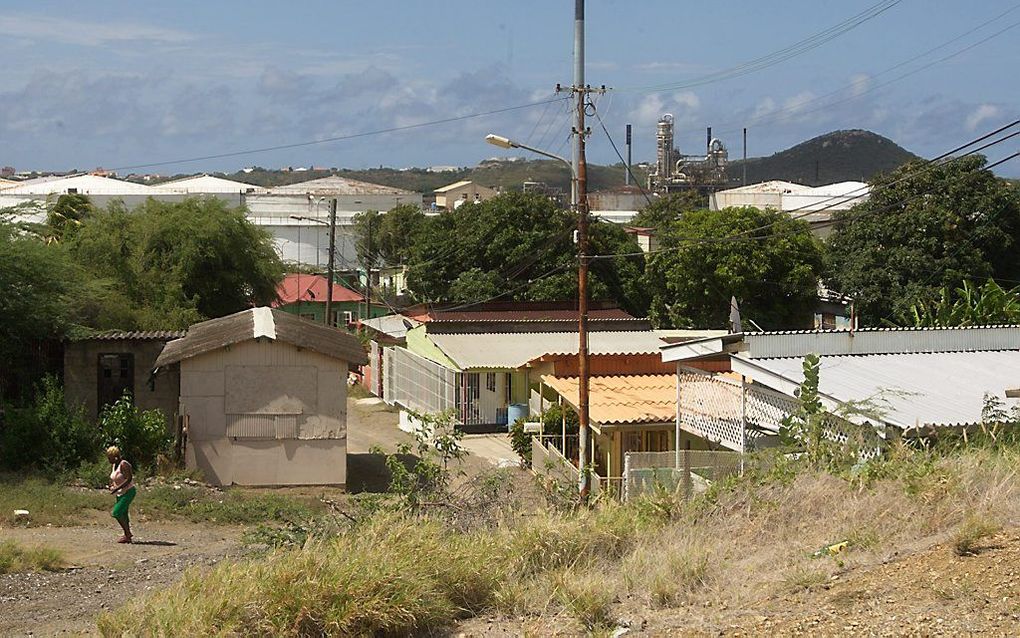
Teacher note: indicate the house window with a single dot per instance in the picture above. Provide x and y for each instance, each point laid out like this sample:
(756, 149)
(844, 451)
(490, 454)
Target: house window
(490, 381)
(116, 376)
(509, 389)
(348, 317)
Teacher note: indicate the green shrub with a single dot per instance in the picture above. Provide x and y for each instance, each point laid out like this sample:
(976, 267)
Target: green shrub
(552, 420)
(47, 436)
(141, 436)
(520, 441)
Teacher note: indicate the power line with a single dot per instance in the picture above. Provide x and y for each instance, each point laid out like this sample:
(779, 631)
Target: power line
(341, 138)
(776, 57)
(800, 111)
(623, 161)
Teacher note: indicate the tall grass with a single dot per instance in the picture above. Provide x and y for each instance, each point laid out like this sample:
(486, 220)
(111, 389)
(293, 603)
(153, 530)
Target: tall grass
(749, 540)
(16, 558)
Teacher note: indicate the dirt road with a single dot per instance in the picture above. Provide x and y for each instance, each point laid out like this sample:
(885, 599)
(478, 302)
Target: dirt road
(106, 574)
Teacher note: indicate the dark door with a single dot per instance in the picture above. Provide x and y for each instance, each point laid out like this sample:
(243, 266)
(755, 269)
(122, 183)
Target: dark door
(116, 374)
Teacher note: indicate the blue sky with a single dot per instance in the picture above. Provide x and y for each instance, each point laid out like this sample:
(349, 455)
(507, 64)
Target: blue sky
(117, 84)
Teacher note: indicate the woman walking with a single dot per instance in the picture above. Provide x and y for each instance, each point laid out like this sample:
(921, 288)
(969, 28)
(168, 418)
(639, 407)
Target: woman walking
(122, 486)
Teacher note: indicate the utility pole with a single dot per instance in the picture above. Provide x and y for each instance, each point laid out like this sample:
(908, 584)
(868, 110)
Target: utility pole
(331, 262)
(579, 199)
(368, 272)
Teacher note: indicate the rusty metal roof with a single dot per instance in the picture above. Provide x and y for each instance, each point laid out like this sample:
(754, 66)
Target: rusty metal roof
(267, 323)
(132, 335)
(622, 400)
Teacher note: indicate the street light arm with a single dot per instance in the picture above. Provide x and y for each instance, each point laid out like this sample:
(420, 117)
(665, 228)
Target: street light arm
(506, 142)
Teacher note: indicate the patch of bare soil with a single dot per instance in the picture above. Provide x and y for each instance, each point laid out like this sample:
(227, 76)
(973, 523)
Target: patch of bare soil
(104, 574)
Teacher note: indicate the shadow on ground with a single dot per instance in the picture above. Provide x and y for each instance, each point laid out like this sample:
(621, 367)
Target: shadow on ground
(368, 472)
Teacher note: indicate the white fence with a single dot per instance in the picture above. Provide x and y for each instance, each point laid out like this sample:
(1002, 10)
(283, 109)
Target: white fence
(689, 470)
(736, 415)
(418, 384)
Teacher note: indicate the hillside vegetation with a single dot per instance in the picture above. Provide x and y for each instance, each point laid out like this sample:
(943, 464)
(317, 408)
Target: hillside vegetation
(728, 559)
(834, 157)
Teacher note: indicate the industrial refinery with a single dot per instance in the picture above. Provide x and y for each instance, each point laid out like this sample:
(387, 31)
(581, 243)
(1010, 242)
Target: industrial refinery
(676, 172)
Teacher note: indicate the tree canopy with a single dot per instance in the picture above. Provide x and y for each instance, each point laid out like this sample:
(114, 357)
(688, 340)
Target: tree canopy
(925, 227)
(387, 238)
(169, 264)
(772, 269)
(519, 247)
(667, 209)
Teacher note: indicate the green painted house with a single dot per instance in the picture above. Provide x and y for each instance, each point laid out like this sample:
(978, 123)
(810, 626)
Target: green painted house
(305, 295)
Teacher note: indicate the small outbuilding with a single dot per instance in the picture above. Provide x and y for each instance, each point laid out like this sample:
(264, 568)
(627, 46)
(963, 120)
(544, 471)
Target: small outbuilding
(101, 367)
(264, 398)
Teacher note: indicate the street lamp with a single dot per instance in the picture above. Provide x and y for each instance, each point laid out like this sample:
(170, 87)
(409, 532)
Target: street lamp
(506, 142)
(579, 201)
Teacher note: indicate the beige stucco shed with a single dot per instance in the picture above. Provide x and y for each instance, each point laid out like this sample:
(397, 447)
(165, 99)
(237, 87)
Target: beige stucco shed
(264, 398)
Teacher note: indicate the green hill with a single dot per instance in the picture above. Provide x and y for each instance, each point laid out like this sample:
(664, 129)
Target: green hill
(834, 157)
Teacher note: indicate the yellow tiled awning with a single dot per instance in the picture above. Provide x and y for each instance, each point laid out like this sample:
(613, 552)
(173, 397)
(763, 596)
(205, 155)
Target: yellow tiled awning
(622, 400)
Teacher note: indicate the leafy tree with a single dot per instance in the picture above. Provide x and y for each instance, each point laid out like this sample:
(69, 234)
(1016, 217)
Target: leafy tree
(772, 269)
(174, 263)
(67, 214)
(924, 227)
(392, 234)
(520, 246)
(969, 306)
(665, 210)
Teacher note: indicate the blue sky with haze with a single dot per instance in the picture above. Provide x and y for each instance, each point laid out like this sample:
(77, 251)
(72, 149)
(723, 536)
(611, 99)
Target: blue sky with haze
(117, 84)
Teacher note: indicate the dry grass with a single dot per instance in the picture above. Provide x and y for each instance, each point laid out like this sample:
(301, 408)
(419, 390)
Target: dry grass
(974, 529)
(15, 558)
(739, 545)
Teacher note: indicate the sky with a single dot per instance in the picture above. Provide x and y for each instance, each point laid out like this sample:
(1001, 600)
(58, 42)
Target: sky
(124, 84)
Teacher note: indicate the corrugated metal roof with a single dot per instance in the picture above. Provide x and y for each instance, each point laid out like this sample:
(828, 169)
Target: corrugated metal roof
(199, 184)
(268, 323)
(336, 185)
(392, 325)
(881, 341)
(450, 187)
(138, 335)
(622, 400)
(514, 350)
(301, 287)
(84, 184)
(919, 389)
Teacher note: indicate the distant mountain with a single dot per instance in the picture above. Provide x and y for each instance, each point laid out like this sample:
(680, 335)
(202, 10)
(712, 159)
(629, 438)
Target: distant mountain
(834, 157)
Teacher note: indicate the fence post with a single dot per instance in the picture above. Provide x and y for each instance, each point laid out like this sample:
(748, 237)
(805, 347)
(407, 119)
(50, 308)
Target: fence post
(688, 488)
(626, 476)
(743, 421)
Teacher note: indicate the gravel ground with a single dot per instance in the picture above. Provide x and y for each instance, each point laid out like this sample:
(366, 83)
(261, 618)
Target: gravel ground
(105, 574)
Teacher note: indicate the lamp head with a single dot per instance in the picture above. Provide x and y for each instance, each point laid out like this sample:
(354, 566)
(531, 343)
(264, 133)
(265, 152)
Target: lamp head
(499, 140)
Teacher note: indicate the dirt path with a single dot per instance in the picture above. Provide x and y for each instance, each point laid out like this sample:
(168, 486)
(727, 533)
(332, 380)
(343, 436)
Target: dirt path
(106, 574)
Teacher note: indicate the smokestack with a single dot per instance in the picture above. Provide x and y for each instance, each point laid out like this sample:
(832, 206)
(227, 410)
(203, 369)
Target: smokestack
(708, 141)
(626, 174)
(743, 180)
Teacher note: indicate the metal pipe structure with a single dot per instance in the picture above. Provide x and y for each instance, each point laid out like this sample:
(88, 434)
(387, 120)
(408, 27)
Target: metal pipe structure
(626, 174)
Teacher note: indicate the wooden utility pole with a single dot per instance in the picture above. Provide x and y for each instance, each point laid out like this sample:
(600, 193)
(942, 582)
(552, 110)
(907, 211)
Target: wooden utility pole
(330, 262)
(579, 199)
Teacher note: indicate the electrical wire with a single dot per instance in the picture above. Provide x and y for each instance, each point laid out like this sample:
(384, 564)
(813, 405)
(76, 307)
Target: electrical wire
(625, 164)
(777, 57)
(801, 111)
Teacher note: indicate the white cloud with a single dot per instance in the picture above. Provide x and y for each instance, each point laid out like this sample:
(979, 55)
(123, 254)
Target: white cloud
(859, 84)
(980, 114)
(92, 34)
